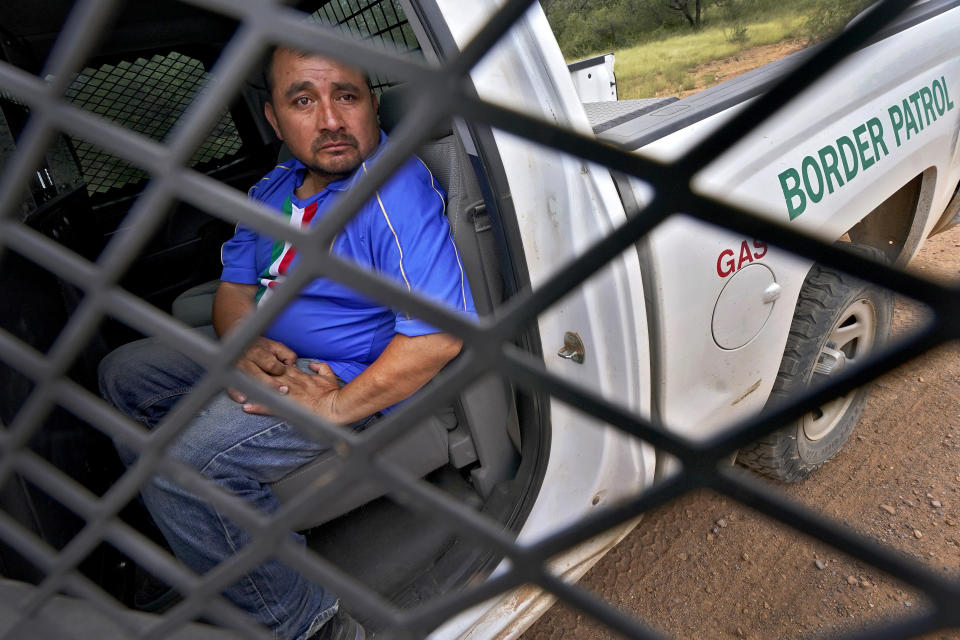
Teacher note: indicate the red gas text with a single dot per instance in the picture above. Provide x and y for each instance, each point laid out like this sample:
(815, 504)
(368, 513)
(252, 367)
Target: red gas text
(728, 262)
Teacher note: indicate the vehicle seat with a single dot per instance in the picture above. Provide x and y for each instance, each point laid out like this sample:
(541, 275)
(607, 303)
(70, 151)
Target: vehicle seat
(488, 432)
(194, 306)
(423, 449)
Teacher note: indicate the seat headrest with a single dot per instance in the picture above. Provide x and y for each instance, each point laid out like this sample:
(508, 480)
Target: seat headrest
(397, 101)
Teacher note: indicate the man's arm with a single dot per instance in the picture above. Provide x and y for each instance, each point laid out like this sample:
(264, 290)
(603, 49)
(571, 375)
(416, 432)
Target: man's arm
(232, 303)
(405, 365)
(264, 359)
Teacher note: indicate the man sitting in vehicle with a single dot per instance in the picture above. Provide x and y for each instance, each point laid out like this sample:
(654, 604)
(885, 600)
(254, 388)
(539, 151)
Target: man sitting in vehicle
(346, 357)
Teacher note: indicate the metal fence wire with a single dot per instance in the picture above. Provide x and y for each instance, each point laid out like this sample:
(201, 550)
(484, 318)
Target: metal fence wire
(445, 92)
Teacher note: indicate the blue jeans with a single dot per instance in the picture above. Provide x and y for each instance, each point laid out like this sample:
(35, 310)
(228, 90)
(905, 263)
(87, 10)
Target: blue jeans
(240, 452)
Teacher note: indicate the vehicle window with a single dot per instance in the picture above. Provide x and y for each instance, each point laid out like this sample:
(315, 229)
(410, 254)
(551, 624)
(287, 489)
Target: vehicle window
(382, 21)
(58, 173)
(147, 96)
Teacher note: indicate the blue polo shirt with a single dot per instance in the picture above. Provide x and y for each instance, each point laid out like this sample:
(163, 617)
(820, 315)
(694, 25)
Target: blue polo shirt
(402, 233)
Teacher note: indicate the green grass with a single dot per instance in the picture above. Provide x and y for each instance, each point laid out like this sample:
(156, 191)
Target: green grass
(664, 67)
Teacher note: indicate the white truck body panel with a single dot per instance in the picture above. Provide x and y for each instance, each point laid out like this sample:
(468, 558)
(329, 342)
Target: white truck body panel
(701, 386)
(594, 79)
(563, 206)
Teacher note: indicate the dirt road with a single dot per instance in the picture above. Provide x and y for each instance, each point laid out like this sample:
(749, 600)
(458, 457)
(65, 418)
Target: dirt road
(711, 73)
(706, 567)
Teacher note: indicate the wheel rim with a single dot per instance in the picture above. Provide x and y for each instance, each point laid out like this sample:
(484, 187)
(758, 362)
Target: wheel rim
(850, 339)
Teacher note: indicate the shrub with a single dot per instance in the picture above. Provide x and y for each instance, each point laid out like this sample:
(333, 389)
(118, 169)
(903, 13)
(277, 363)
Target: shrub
(827, 18)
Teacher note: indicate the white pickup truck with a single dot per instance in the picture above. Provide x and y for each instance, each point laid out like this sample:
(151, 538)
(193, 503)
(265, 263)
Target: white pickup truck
(694, 327)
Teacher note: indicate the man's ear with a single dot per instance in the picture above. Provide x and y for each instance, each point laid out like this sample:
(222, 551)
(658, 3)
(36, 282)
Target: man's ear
(376, 103)
(272, 118)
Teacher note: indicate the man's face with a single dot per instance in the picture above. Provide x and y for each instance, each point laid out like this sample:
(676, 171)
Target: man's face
(324, 112)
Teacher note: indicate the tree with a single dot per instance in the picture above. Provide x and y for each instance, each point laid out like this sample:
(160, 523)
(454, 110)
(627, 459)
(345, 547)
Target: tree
(828, 17)
(692, 10)
(735, 30)
(584, 27)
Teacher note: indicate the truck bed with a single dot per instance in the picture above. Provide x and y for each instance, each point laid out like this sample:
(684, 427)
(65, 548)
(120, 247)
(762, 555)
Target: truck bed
(640, 122)
(609, 114)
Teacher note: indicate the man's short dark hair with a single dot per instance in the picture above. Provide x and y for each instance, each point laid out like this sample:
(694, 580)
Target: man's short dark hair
(266, 68)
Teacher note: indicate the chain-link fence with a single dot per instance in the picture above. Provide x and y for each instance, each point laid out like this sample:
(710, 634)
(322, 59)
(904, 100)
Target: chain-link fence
(52, 384)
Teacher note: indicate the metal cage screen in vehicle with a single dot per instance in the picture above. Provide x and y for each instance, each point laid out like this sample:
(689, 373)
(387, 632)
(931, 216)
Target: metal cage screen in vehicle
(147, 96)
(381, 21)
(487, 343)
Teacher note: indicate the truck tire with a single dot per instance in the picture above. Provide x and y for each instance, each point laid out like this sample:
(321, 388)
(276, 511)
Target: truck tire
(839, 319)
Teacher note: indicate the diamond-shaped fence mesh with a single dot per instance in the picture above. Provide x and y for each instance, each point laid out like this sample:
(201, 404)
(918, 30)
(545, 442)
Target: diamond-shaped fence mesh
(488, 343)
